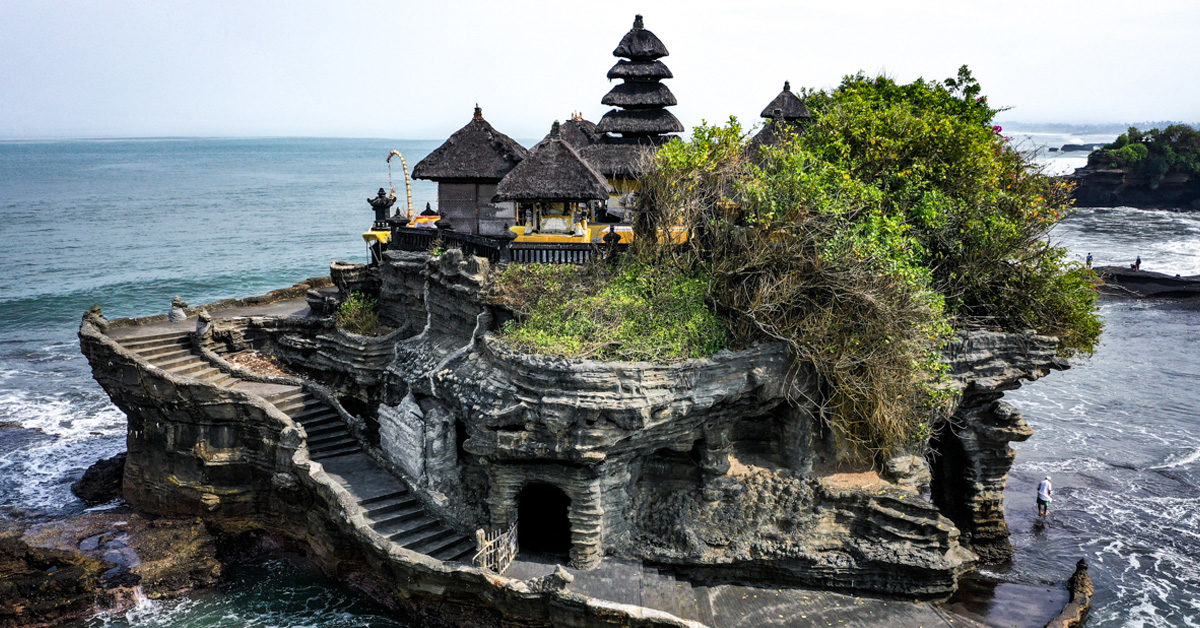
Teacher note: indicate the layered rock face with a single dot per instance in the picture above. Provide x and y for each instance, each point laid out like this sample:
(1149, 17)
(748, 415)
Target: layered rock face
(1110, 187)
(971, 455)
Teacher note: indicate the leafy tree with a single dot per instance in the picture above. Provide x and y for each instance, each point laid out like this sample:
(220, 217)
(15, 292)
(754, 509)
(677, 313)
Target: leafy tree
(900, 212)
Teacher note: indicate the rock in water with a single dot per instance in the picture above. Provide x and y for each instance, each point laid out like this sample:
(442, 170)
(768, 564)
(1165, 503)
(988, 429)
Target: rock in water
(102, 481)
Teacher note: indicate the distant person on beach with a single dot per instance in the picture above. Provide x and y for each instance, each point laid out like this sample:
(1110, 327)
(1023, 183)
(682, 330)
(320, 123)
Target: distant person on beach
(1089, 260)
(1044, 491)
(1137, 265)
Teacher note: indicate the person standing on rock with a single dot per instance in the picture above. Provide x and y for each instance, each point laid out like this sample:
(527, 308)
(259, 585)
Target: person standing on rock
(1044, 491)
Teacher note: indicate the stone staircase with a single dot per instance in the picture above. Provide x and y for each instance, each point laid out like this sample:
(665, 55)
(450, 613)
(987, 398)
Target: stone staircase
(391, 509)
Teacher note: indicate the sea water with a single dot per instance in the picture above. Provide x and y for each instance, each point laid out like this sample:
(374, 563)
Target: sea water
(128, 224)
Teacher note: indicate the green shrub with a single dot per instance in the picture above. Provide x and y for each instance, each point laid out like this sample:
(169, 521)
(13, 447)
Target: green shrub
(357, 315)
(630, 312)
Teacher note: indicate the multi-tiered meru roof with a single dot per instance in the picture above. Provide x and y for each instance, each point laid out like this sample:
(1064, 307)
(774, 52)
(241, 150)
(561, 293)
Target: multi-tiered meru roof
(640, 98)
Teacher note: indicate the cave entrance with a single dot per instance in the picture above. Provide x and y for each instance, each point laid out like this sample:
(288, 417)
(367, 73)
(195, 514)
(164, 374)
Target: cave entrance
(950, 481)
(543, 526)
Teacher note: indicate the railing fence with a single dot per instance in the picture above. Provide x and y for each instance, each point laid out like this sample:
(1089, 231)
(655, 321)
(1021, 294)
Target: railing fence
(496, 549)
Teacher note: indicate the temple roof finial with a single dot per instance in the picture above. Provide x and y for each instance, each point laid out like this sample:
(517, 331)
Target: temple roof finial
(478, 112)
(787, 86)
(637, 22)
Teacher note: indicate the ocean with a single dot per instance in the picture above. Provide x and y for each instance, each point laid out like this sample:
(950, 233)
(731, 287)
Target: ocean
(128, 224)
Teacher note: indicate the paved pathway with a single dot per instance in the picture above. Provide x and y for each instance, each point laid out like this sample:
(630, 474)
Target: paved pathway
(391, 508)
(733, 605)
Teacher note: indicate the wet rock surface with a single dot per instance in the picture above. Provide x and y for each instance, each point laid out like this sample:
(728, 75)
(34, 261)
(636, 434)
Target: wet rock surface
(72, 568)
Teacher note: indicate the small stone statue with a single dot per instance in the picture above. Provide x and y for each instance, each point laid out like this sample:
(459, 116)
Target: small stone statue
(382, 204)
(556, 580)
(177, 312)
(204, 322)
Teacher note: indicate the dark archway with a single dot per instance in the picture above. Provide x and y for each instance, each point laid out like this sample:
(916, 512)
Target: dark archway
(543, 525)
(950, 482)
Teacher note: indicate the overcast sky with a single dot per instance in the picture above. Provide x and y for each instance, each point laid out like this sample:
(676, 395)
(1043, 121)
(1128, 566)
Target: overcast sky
(405, 69)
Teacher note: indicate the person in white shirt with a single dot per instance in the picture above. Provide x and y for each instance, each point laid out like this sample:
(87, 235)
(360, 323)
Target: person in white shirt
(1044, 491)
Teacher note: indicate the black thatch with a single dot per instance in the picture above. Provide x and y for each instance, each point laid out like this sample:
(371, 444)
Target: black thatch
(639, 96)
(639, 122)
(640, 44)
(640, 70)
(787, 105)
(476, 152)
(577, 132)
(622, 157)
(553, 171)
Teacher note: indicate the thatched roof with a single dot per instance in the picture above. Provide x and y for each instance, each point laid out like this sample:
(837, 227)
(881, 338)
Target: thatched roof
(786, 105)
(640, 70)
(640, 44)
(476, 152)
(622, 157)
(553, 171)
(639, 95)
(639, 122)
(577, 132)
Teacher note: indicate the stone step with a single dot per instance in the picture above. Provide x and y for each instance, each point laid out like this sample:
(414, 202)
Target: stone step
(224, 382)
(312, 411)
(215, 375)
(329, 440)
(395, 514)
(419, 542)
(435, 540)
(171, 363)
(300, 406)
(385, 508)
(320, 419)
(286, 396)
(317, 431)
(195, 369)
(401, 522)
(345, 450)
(378, 499)
(144, 339)
(164, 352)
(461, 550)
(418, 528)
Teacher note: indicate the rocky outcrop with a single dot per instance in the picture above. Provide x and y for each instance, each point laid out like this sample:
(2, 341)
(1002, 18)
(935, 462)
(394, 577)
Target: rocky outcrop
(69, 569)
(1080, 588)
(970, 455)
(700, 466)
(1114, 187)
(102, 481)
